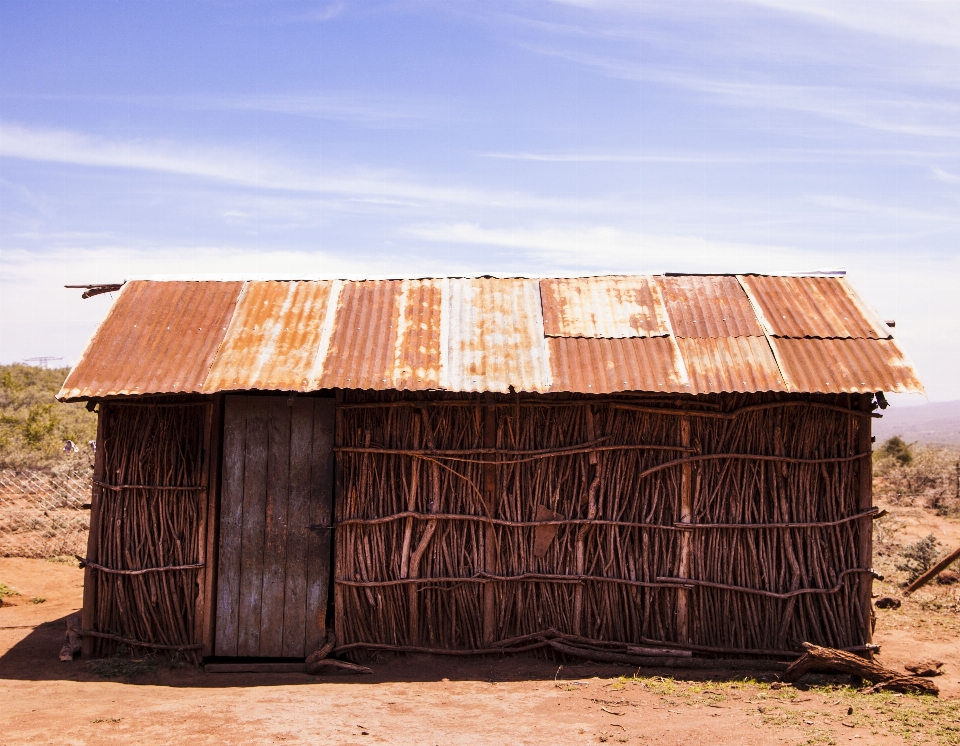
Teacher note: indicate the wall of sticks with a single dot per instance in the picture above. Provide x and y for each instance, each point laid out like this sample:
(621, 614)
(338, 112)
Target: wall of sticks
(730, 524)
(145, 552)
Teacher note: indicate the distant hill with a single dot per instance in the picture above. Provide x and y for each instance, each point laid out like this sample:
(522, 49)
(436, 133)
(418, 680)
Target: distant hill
(935, 423)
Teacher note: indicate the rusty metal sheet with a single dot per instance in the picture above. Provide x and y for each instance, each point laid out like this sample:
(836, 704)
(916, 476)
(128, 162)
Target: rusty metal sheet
(846, 366)
(730, 364)
(709, 306)
(361, 350)
(273, 338)
(605, 366)
(386, 335)
(821, 307)
(158, 337)
(615, 307)
(416, 349)
(480, 335)
(491, 336)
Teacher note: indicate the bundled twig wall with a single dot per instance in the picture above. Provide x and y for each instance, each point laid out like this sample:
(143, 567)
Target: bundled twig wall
(621, 560)
(149, 524)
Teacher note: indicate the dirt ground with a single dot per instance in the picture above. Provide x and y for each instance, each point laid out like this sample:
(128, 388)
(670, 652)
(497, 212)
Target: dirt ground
(424, 700)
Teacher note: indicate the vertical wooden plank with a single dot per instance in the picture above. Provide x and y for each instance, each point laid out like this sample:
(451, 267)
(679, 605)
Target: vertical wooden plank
(203, 499)
(88, 614)
(686, 538)
(252, 526)
(279, 411)
(490, 535)
(321, 512)
(865, 502)
(231, 525)
(298, 520)
(213, 526)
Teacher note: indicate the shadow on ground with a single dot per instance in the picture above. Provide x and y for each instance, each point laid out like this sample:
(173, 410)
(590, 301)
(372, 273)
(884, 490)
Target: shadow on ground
(35, 658)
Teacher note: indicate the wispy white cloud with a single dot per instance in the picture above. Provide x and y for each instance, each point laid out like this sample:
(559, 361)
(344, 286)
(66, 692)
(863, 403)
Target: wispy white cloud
(940, 175)
(605, 248)
(931, 22)
(243, 168)
(906, 114)
(380, 110)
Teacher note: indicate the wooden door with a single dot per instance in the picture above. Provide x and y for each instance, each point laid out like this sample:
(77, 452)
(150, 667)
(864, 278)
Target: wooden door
(274, 569)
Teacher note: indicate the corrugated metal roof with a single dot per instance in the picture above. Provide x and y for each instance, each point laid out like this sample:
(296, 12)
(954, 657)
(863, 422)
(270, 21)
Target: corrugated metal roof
(272, 339)
(603, 307)
(158, 337)
(709, 306)
(735, 364)
(824, 307)
(489, 334)
(605, 366)
(846, 365)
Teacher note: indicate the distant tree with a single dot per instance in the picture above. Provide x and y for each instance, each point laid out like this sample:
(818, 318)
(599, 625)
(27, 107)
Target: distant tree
(897, 448)
(34, 426)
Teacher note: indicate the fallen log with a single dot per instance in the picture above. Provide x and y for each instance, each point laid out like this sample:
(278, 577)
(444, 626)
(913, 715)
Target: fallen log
(932, 572)
(830, 660)
(71, 640)
(703, 664)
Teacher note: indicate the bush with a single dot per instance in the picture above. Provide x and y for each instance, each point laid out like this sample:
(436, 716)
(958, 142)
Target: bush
(919, 557)
(930, 477)
(898, 449)
(34, 426)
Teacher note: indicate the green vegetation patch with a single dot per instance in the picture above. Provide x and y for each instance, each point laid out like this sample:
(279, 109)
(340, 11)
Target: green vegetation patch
(34, 426)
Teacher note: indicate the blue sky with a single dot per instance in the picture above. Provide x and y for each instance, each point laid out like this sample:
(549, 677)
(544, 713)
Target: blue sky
(428, 138)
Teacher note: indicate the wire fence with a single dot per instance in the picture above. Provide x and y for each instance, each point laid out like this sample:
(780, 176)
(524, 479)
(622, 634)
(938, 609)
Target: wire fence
(42, 514)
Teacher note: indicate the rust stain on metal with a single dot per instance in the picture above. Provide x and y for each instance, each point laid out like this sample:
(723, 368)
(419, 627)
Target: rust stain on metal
(416, 349)
(846, 365)
(709, 306)
(158, 337)
(603, 307)
(605, 366)
(820, 307)
(731, 364)
(491, 336)
(362, 345)
(487, 334)
(273, 337)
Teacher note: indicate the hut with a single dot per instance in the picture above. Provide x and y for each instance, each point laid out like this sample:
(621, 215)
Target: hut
(475, 465)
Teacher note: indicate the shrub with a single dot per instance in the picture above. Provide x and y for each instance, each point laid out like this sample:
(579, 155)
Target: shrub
(34, 426)
(897, 448)
(919, 557)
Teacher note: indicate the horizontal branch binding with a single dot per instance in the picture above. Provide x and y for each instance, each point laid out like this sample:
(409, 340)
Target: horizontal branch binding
(486, 577)
(687, 582)
(459, 455)
(121, 487)
(435, 455)
(592, 522)
(536, 640)
(138, 643)
(662, 582)
(113, 571)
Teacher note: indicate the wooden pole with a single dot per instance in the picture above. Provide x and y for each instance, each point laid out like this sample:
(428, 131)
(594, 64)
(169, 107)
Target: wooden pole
(490, 534)
(207, 612)
(686, 539)
(865, 502)
(89, 614)
(933, 572)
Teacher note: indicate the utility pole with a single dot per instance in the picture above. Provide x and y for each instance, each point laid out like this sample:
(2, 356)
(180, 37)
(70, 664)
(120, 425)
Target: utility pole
(42, 360)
